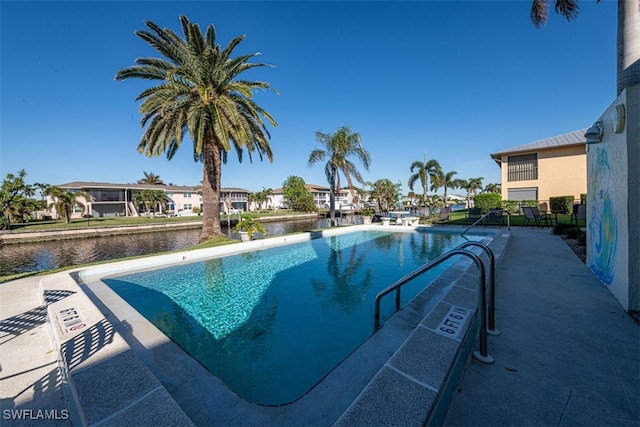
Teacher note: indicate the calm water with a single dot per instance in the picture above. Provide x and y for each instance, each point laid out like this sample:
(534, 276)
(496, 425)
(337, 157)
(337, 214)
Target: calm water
(273, 323)
(27, 257)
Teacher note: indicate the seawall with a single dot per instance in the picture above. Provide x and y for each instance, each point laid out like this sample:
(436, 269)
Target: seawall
(14, 237)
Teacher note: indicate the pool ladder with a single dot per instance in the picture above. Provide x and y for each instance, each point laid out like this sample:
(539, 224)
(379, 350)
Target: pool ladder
(481, 355)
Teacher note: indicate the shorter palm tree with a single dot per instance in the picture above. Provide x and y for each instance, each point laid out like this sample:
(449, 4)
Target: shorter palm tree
(249, 224)
(65, 201)
(493, 188)
(444, 180)
(338, 147)
(384, 193)
(424, 170)
(150, 199)
(151, 179)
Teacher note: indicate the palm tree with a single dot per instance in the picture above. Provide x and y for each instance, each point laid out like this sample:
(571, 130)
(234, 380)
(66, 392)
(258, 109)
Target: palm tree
(199, 92)
(65, 201)
(339, 146)
(384, 193)
(423, 171)
(150, 198)
(628, 56)
(151, 179)
(475, 184)
(493, 188)
(265, 194)
(464, 184)
(471, 186)
(444, 180)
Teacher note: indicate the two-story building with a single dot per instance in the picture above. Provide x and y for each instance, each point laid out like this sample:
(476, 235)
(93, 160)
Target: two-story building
(344, 200)
(546, 168)
(109, 199)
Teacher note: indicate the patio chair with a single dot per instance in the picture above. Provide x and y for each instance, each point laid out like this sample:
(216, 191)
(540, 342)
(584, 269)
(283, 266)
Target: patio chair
(495, 217)
(534, 216)
(579, 213)
(444, 217)
(474, 215)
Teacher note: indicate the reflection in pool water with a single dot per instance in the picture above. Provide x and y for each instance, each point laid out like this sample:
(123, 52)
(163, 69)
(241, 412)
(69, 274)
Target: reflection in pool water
(272, 323)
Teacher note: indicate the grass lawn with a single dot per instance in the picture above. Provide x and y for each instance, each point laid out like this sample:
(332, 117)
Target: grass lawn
(460, 218)
(39, 225)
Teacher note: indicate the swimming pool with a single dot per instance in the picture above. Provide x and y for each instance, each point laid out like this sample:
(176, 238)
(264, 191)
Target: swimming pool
(273, 323)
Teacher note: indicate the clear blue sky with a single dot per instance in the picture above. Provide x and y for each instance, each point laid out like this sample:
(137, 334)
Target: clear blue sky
(459, 79)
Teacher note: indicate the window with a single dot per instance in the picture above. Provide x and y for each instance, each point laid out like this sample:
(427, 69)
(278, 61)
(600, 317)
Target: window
(188, 206)
(522, 168)
(186, 195)
(524, 193)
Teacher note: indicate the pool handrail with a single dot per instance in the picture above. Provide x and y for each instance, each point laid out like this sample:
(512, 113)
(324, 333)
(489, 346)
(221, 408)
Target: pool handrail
(491, 330)
(486, 215)
(482, 355)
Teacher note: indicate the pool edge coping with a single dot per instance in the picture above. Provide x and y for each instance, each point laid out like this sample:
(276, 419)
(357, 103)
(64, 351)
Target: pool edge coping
(95, 272)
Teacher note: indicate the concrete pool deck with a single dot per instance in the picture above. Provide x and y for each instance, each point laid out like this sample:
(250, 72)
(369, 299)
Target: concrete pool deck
(542, 375)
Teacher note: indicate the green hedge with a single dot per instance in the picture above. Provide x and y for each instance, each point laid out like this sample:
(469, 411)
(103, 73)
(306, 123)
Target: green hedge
(488, 201)
(562, 204)
(511, 205)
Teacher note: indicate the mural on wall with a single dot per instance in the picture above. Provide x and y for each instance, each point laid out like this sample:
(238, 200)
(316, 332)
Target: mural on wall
(603, 229)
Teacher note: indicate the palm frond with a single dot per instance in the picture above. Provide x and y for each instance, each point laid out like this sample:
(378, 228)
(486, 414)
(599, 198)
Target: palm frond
(539, 12)
(567, 8)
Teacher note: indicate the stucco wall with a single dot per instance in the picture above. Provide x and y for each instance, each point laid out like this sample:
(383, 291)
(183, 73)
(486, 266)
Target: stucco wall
(561, 172)
(612, 237)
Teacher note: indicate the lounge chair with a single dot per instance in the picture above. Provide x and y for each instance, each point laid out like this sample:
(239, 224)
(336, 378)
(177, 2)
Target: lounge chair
(444, 217)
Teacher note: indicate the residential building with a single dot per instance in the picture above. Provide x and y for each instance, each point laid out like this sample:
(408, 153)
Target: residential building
(110, 199)
(547, 168)
(320, 193)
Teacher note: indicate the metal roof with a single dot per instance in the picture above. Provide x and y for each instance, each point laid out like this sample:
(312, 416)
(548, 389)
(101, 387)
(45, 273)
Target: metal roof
(112, 186)
(572, 138)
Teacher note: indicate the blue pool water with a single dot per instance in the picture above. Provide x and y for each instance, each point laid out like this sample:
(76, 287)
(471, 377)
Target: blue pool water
(272, 323)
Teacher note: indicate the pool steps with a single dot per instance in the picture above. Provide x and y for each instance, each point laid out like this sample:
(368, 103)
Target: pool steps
(104, 381)
(417, 383)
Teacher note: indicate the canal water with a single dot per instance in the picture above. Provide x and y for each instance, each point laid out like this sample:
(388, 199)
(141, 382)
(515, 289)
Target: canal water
(30, 257)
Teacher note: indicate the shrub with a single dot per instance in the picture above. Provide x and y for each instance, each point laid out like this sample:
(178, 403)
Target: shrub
(574, 233)
(488, 201)
(561, 204)
(529, 203)
(511, 205)
(583, 199)
(563, 228)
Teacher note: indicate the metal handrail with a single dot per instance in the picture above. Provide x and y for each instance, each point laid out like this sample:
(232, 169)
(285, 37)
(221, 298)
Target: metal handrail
(492, 284)
(486, 215)
(482, 355)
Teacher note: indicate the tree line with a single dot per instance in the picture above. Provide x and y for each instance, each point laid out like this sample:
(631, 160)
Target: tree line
(198, 91)
(17, 204)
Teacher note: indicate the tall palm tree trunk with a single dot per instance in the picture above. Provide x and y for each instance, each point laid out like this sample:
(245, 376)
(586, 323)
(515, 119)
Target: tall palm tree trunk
(212, 162)
(628, 44)
(332, 197)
